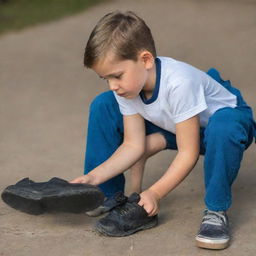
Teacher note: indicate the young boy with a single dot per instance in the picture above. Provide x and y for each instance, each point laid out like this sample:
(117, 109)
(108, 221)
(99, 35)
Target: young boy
(158, 103)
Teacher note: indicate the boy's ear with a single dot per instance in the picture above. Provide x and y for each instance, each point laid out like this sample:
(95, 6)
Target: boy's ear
(147, 58)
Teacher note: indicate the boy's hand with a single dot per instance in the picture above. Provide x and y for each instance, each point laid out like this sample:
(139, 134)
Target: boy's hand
(82, 179)
(149, 200)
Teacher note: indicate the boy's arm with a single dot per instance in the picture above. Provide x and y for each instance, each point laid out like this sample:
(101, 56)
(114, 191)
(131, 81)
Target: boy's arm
(128, 153)
(188, 142)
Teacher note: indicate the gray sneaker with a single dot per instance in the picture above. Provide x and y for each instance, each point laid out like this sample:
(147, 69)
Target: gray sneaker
(214, 231)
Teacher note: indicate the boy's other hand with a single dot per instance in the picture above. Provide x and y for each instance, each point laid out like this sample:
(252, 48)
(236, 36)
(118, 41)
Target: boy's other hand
(149, 200)
(81, 179)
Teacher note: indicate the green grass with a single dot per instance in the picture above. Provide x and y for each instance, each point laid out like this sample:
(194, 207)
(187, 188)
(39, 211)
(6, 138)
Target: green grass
(18, 14)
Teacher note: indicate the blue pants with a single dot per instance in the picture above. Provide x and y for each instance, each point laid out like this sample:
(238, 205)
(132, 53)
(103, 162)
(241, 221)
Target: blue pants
(228, 134)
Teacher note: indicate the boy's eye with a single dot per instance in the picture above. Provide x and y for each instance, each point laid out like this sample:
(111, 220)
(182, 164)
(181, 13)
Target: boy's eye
(105, 79)
(118, 77)
(112, 77)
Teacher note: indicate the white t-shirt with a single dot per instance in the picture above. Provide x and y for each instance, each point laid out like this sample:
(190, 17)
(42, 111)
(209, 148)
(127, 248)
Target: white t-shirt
(181, 92)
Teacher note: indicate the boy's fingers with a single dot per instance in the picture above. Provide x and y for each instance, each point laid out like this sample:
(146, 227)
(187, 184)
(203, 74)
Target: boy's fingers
(140, 203)
(77, 180)
(148, 209)
(151, 213)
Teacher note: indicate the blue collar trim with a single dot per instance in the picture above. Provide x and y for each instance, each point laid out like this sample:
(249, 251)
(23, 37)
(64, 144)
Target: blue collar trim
(157, 85)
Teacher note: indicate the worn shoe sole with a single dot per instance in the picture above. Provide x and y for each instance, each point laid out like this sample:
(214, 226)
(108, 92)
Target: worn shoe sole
(97, 212)
(148, 225)
(212, 244)
(74, 199)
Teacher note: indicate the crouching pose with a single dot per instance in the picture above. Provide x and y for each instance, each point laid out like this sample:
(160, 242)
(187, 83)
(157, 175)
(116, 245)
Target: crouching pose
(157, 103)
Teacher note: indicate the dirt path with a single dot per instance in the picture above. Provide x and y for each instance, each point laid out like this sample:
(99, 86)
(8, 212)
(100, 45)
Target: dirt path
(44, 98)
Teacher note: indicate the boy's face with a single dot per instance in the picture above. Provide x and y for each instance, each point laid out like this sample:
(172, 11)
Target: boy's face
(126, 77)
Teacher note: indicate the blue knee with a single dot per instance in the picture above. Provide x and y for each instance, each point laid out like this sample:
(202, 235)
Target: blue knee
(102, 100)
(105, 111)
(226, 126)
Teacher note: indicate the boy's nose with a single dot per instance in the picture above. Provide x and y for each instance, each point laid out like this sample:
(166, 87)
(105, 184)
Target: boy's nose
(113, 86)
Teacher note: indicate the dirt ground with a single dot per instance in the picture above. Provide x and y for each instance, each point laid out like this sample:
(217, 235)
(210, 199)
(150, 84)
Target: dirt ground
(44, 99)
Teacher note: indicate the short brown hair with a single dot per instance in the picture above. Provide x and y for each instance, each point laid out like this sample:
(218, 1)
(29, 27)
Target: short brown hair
(124, 33)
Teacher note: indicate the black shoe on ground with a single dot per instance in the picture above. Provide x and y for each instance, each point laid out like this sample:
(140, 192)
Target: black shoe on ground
(55, 195)
(109, 203)
(126, 219)
(214, 231)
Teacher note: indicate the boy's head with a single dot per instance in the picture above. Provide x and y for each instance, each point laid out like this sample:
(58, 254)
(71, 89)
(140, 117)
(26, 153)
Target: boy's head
(123, 34)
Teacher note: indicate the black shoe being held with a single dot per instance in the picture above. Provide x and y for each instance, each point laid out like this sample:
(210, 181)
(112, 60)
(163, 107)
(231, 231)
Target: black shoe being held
(126, 219)
(54, 195)
(214, 231)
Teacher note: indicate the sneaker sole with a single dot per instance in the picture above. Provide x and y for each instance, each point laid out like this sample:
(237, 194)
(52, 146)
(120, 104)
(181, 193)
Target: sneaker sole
(212, 244)
(96, 212)
(149, 225)
(22, 203)
(33, 202)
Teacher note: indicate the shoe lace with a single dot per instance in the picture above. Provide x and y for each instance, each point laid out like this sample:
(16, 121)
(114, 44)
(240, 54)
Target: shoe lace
(125, 206)
(214, 218)
(124, 210)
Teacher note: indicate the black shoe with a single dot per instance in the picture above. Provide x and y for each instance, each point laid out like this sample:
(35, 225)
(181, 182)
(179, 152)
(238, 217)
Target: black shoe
(214, 231)
(126, 219)
(55, 195)
(109, 203)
